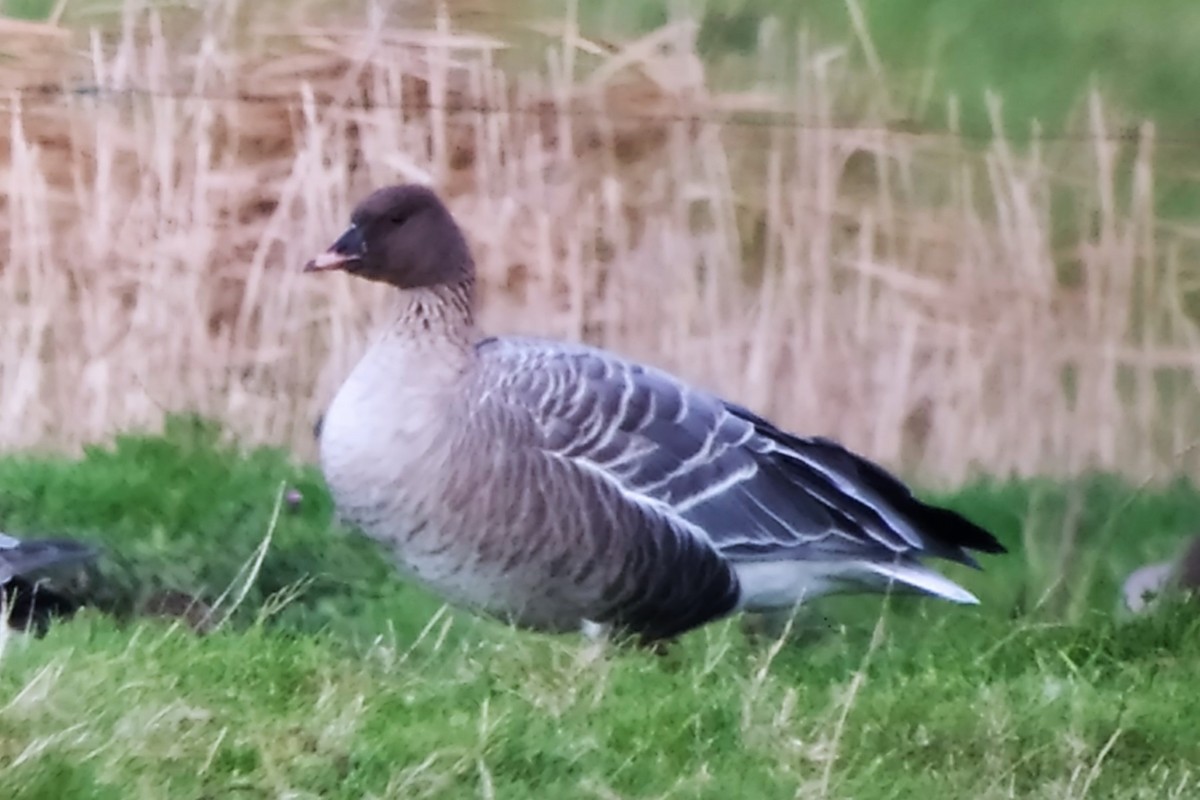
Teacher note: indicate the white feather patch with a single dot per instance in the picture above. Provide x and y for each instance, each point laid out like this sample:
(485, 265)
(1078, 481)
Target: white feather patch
(782, 584)
(924, 579)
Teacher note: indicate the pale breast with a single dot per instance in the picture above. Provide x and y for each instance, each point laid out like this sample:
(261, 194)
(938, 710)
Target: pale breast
(378, 436)
(452, 493)
(386, 451)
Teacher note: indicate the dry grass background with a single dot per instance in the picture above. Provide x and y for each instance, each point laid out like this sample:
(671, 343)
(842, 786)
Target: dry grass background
(912, 295)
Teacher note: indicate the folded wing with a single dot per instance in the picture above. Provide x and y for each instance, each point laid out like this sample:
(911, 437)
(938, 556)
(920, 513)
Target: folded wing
(27, 558)
(730, 477)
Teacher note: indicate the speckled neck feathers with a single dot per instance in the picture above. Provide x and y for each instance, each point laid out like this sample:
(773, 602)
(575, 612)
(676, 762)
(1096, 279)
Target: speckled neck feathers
(443, 311)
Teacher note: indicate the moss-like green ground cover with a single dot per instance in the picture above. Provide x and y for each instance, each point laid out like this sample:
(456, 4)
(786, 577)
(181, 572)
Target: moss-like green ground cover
(333, 679)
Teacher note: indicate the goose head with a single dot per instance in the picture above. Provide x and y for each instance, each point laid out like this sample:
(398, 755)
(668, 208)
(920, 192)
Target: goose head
(403, 236)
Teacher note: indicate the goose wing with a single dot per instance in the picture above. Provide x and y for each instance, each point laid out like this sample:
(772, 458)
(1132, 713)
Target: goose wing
(25, 558)
(730, 477)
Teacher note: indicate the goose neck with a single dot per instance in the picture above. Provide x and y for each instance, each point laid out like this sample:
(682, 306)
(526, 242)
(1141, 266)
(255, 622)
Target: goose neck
(443, 312)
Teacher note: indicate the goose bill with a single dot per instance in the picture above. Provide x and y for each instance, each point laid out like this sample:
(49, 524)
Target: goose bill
(329, 260)
(349, 248)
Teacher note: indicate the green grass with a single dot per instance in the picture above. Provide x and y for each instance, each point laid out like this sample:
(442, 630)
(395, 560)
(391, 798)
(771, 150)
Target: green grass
(1041, 59)
(360, 687)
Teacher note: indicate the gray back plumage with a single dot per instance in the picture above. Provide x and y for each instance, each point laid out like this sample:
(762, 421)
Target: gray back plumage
(27, 558)
(728, 476)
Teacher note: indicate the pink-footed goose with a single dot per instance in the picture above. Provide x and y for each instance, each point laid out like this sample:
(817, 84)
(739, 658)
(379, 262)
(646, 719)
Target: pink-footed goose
(562, 487)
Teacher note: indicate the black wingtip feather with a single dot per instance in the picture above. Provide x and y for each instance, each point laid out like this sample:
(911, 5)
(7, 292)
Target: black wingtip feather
(950, 534)
(965, 532)
(942, 524)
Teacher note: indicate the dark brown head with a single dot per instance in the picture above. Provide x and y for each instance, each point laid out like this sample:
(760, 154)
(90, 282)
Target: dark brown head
(403, 236)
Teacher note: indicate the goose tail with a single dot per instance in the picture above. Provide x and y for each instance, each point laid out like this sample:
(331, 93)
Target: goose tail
(922, 578)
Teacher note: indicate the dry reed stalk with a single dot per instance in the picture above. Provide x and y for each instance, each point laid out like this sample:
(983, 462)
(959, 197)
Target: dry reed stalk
(900, 293)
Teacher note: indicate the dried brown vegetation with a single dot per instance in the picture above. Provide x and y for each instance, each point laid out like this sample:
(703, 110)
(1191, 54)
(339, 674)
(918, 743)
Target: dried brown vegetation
(911, 295)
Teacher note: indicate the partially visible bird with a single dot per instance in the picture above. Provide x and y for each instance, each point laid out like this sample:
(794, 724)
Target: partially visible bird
(26, 601)
(561, 487)
(1147, 584)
